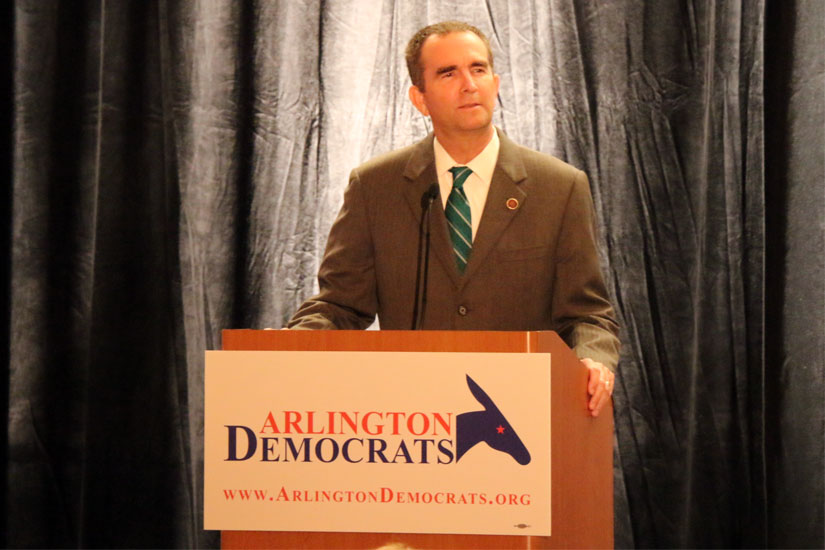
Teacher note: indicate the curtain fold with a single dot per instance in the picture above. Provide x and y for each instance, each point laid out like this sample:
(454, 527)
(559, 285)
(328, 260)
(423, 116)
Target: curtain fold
(97, 421)
(6, 116)
(795, 301)
(176, 167)
(678, 175)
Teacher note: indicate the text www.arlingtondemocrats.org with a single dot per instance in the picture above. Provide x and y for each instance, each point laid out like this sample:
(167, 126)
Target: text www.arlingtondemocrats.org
(384, 495)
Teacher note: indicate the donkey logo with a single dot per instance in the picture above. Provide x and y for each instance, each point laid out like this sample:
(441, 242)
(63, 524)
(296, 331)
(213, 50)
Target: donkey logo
(488, 426)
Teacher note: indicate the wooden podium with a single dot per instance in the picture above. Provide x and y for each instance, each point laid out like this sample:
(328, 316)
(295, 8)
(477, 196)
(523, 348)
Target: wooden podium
(581, 448)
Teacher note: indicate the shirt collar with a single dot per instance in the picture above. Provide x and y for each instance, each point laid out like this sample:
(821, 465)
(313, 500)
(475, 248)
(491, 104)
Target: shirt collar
(482, 164)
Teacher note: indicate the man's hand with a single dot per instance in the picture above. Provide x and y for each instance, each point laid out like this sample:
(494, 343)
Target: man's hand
(599, 385)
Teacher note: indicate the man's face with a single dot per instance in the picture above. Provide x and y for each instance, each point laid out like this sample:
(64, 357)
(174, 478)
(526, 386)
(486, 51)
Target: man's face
(460, 88)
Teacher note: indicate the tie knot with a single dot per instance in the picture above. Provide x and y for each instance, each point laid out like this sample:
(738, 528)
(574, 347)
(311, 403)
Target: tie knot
(460, 175)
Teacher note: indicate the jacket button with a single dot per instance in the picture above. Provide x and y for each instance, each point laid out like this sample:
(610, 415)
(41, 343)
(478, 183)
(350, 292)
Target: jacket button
(462, 310)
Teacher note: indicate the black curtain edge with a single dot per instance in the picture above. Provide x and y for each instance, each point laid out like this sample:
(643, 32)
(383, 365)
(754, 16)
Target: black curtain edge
(6, 118)
(780, 25)
(783, 21)
(243, 309)
(778, 61)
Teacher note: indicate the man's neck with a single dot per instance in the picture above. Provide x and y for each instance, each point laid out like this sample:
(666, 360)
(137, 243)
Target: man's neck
(465, 146)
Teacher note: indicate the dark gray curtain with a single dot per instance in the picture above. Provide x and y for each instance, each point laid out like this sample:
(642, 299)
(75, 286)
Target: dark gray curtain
(794, 390)
(175, 167)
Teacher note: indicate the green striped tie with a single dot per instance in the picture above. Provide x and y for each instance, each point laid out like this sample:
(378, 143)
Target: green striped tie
(459, 217)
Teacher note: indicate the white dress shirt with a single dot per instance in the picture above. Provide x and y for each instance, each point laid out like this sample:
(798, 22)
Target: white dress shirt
(478, 183)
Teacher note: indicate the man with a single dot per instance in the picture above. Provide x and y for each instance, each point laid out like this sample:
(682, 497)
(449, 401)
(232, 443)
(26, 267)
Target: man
(513, 245)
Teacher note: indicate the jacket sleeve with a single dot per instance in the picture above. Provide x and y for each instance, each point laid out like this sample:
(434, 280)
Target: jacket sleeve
(581, 308)
(347, 297)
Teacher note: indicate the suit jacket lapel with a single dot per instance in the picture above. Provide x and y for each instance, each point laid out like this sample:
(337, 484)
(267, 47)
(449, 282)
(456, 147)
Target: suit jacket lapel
(497, 216)
(420, 171)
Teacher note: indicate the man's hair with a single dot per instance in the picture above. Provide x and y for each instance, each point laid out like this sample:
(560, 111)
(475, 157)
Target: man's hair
(413, 51)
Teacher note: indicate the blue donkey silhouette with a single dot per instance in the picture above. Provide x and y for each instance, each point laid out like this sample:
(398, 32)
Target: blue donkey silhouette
(488, 426)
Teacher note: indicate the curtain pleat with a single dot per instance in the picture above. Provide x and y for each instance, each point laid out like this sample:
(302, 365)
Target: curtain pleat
(795, 297)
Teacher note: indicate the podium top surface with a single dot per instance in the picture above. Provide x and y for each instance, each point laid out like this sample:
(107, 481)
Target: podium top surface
(394, 340)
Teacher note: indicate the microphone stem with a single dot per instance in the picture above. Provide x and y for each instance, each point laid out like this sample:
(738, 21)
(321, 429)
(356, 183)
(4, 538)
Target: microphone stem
(420, 304)
(426, 264)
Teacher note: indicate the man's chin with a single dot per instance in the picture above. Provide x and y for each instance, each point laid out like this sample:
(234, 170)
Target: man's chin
(479, 126)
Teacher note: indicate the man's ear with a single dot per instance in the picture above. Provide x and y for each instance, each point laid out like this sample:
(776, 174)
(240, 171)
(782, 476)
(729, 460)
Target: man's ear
(417, 98)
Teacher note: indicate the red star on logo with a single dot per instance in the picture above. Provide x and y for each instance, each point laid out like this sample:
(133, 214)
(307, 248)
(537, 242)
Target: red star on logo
(500, 429)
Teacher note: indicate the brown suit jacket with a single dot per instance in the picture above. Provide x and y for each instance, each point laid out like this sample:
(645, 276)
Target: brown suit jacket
(534, 267)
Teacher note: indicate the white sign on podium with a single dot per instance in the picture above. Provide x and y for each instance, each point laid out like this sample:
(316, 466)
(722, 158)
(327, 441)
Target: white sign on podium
(409, 442)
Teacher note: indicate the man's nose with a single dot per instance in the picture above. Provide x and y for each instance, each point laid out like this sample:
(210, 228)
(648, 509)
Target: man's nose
(468, 83)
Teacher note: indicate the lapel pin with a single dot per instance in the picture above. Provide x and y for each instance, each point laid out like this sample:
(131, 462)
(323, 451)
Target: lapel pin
(512, 203)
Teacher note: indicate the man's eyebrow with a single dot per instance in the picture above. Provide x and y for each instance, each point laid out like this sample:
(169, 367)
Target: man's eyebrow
(450, 68)
(447, 69)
